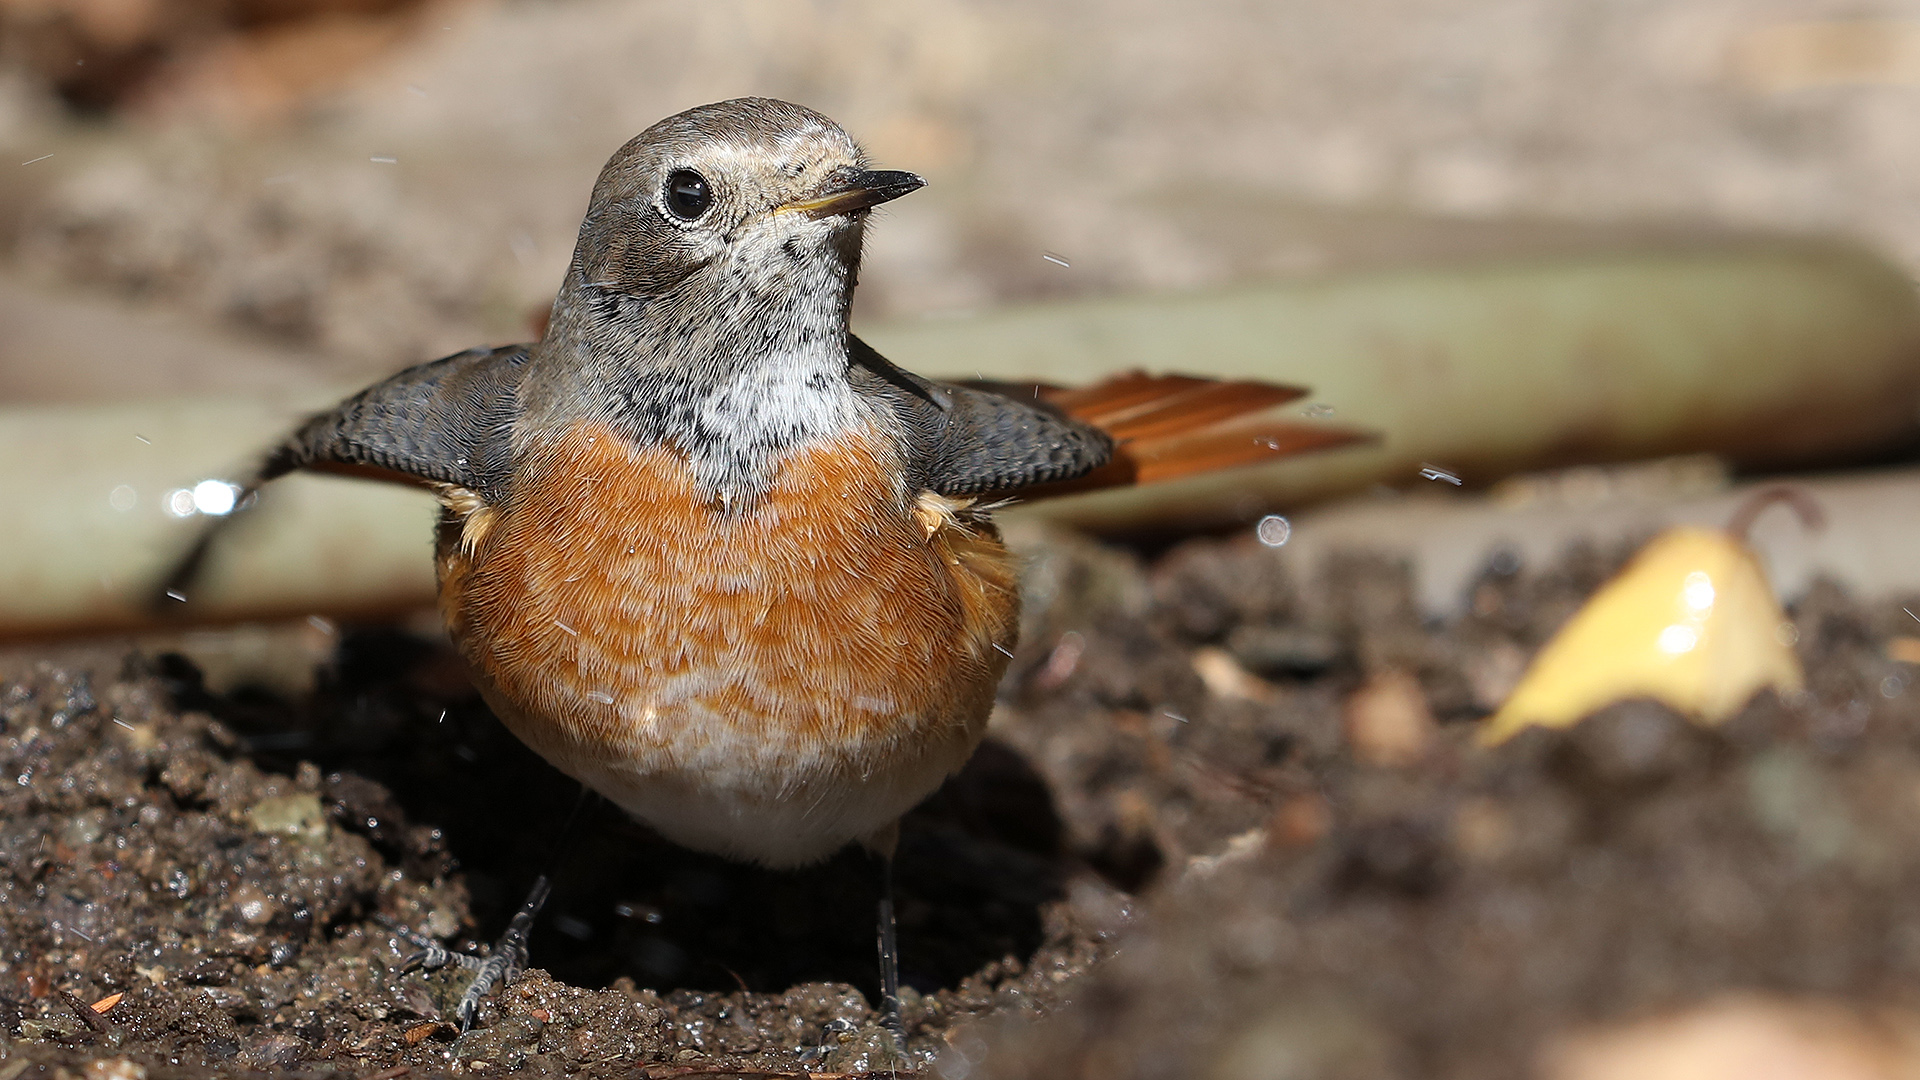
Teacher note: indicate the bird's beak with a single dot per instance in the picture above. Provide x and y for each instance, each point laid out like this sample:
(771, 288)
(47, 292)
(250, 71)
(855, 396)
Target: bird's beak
(851, 190)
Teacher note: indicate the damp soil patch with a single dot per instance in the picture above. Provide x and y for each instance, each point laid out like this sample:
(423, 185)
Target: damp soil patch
(1222, 815)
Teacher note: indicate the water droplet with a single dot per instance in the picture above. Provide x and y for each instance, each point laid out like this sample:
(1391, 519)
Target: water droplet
(122, 498)
(1274, 530)
(215, 498)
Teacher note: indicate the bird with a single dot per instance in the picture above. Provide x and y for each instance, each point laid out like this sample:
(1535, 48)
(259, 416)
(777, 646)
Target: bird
(705, 550)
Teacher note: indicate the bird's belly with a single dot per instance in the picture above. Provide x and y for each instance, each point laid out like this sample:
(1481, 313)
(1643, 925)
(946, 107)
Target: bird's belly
(768, 683)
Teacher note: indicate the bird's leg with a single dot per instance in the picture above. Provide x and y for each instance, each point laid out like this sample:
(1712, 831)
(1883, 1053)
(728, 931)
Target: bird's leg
(509, 955)
(890, 959)
(502, 965)
(882, 845)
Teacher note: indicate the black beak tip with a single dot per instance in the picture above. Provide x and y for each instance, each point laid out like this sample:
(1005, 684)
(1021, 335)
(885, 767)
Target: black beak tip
(890, 184)
(854, 191)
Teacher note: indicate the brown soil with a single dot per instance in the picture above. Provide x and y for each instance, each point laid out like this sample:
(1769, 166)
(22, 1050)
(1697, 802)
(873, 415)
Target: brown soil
(1222, 816)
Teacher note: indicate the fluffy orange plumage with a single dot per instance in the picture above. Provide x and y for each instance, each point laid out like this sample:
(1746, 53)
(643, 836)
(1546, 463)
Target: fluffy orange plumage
(839, 641)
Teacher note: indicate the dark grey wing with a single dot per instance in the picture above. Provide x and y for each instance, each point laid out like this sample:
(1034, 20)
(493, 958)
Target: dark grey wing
(446, 421)
(969, 441)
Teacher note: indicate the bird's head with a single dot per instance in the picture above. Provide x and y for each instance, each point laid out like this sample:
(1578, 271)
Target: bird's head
(745, 198)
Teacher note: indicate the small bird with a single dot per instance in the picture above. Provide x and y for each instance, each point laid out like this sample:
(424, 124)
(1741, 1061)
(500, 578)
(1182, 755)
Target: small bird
(705, 550)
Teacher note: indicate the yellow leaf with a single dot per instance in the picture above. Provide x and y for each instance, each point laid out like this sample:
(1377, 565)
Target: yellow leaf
(1691, 622)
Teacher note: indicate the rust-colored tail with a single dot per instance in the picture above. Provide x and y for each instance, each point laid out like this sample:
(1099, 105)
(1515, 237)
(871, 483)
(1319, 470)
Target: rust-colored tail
(1173, 426)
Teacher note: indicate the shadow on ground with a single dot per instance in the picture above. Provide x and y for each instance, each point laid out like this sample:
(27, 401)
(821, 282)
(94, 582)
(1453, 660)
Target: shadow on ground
(976, 862)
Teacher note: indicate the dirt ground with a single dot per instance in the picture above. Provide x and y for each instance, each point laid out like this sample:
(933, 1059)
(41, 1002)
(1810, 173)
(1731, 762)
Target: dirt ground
(1222, 818)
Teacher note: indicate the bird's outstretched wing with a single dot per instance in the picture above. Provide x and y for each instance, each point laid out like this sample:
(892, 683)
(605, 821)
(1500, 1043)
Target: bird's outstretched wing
(443, 422)
(446, 422)
(1036, 440)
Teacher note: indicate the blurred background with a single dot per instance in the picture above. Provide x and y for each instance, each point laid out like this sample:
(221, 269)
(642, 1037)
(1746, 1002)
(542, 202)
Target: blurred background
(325, 190)
(1467, 227)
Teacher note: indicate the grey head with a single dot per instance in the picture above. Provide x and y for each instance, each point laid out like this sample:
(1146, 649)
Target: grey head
(706, 305)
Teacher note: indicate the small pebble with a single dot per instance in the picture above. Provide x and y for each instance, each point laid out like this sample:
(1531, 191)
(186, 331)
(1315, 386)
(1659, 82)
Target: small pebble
(1387, 720)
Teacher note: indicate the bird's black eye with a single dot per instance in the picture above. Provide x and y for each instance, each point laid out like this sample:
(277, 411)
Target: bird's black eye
(687, 194)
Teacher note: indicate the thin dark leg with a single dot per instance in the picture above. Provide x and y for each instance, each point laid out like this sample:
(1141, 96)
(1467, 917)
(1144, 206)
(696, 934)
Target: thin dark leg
(890, 959)
(509, 956)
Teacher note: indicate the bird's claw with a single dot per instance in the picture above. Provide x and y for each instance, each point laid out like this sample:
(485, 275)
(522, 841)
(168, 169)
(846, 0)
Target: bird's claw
(432, 956)
(508, 959)
(500, 968)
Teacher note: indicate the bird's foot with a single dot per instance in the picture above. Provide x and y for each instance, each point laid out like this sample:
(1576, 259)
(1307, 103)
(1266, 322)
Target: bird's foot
(501, 966)
(861, 1049)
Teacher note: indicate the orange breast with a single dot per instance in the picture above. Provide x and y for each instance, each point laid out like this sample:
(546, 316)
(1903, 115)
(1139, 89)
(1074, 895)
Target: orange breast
(634, 633)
